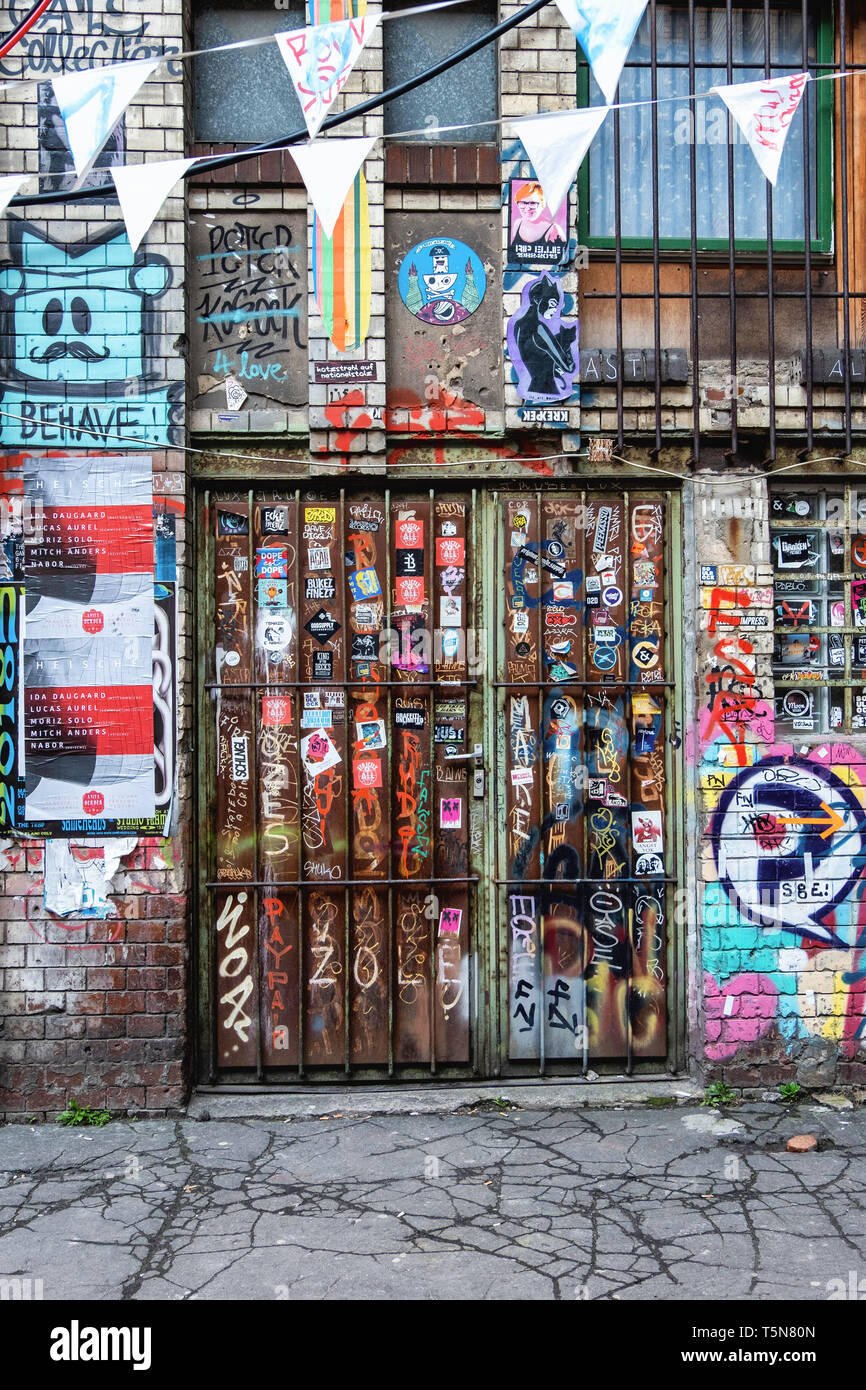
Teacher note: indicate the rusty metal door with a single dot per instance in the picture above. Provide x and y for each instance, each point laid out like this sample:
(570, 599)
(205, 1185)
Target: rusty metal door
(339, 883)
(435, 782)
(587, 730)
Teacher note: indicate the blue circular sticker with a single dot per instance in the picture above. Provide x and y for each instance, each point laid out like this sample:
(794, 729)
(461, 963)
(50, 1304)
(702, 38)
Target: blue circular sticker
(441, 281)
(611, 596)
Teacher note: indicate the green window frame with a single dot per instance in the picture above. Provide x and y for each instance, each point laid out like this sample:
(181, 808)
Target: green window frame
(821, 97)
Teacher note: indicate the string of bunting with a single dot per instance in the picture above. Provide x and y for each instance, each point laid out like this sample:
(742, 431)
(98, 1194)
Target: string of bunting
(319, 60)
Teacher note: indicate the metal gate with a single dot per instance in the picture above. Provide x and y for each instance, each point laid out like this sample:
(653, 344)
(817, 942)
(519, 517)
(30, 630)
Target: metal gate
(589, 853)
(386, 677)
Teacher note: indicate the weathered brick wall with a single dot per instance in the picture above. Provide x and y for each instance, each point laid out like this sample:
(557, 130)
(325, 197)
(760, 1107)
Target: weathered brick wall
(97, 1010)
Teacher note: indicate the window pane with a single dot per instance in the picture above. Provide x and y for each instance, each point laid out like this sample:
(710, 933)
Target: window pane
(246, 96)
(706, 123)
(466, 92)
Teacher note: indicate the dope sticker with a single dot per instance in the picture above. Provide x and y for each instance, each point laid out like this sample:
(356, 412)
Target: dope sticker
(371, 733)
(273, 593)
(450, 813)
(319, 586)
(318, 753)
(240, 758)
(318, 557)
(365, 584)
(272, 562)
(367, 772)
(276, 709)
(450, 611)
(450, 919)
(409, 591)
(409, 535)
(317, 719)
(646, 831)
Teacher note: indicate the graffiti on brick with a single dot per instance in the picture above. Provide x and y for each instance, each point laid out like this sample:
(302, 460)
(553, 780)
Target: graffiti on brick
(249, 314)
(77, 331)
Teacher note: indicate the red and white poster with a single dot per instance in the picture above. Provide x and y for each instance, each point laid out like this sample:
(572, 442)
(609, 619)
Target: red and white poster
(88, 645)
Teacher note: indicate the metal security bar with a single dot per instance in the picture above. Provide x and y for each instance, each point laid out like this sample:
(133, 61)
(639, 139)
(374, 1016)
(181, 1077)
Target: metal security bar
(724, 294)
(584, 769)
(311, 950)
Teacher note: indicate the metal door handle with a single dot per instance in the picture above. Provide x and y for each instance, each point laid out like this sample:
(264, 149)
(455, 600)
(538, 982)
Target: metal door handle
(477, 754)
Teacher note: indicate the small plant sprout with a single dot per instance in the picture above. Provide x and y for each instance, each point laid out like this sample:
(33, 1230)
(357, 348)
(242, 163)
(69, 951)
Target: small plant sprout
(76, 1114)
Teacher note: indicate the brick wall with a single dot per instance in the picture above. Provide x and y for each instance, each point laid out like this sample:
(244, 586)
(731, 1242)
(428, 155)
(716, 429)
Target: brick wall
(97, 1010)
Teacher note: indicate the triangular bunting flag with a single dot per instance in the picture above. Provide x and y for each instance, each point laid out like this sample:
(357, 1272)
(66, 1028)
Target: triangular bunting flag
(328, 168)
(141, 191)
(10, 184)
(320, 60)
(605, 30)
(556, 144)
(92, 102)
(764, 111)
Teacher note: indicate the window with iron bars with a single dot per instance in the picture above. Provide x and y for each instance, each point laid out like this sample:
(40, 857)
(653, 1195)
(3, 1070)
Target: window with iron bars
(695, 148)
(818, 552)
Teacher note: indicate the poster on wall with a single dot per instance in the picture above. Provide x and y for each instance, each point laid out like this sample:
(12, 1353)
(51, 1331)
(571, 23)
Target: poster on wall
(542, 345)
(10, 635)
(96, 739)
(537, 236)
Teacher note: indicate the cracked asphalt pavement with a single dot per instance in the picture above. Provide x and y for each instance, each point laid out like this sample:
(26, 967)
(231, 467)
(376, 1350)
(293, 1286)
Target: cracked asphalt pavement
(529, 1204)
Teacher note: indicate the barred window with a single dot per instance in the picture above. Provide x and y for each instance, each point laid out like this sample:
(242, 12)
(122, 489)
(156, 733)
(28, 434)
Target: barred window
(703, 127)
(818, 552)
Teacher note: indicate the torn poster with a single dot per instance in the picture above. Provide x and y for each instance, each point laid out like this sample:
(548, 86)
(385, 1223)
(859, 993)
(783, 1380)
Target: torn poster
(78, 875)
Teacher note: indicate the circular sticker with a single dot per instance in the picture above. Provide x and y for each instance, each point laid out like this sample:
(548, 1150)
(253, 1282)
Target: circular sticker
(645, 655)
(232, 658)
(797, 703)
(604, 658)
(611, 596)
(859, 552)
(522, 649)
(801, 507)
(441, 281)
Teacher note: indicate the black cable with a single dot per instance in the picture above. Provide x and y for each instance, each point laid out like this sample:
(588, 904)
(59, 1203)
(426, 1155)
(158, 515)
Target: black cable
(108, 192)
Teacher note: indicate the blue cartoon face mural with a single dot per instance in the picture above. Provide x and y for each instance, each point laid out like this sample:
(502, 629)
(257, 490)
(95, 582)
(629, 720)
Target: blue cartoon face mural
(76, 320)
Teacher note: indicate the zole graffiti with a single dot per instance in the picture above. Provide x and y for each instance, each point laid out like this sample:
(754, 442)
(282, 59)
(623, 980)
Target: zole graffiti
(76, 322)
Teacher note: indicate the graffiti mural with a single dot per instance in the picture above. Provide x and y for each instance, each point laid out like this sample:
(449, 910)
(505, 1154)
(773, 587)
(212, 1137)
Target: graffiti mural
(76, 325)
(249, 309)
(784, 895)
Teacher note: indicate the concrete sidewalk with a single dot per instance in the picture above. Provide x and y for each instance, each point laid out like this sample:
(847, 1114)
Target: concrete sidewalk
(477, 1203)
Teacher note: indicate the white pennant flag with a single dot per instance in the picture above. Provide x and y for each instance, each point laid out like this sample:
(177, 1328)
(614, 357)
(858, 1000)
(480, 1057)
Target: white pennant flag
(141, 191)
(764, 111)
(328, 168)
(10, 184)
(556, 145)
(320, 60)
(605, 30)
(92, 102)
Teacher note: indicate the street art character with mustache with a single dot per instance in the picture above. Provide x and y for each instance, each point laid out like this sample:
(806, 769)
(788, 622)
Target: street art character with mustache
(77, 312)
